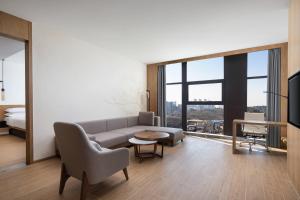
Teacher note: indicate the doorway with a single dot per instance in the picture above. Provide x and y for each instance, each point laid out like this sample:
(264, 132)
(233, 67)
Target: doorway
(12, 103)
(17, 29)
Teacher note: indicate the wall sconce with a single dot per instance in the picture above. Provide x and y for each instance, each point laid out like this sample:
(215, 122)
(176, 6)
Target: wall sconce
(2, 82)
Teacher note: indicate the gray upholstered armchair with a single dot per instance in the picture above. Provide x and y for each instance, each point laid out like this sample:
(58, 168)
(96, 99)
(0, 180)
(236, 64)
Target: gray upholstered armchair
(85, 159)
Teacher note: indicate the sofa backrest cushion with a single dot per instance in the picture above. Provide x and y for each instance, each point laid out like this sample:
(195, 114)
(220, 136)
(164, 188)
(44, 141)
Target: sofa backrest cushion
(116, 123)
(132, 121)
(146, 118)
(95, 126)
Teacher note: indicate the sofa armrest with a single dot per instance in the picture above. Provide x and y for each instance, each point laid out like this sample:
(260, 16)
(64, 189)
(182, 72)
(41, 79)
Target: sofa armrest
(157, 121)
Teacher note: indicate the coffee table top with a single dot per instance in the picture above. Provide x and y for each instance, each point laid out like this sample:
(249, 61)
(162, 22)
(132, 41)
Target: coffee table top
(151, 135)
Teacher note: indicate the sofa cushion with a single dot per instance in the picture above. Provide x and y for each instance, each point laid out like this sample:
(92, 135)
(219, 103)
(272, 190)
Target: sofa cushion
(92, 127)
(146, 118)
(175, 133)
(132, 121)
(130, 131)
(117, 123)
(164, 129)
(110, 139)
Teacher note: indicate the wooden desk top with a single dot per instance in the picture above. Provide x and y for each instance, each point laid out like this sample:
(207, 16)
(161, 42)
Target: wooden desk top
(254, 122)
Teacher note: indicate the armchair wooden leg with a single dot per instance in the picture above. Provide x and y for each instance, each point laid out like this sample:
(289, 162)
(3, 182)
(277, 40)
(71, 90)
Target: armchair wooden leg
(63, 178)
(126, 173)
(84, 186)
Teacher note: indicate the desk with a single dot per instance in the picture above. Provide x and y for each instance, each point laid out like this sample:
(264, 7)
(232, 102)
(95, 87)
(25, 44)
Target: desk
(252, 122)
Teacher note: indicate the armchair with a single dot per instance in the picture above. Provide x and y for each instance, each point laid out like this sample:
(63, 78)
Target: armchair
(84, 160)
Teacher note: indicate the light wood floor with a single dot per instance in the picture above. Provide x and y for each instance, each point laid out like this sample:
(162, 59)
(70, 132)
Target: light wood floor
(12, 150)
(196, 169)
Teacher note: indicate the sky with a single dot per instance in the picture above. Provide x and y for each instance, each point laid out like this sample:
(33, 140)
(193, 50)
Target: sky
(210, 69)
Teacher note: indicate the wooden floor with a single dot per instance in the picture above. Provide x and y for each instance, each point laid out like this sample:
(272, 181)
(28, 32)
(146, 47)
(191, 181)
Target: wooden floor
(197, 169)
(12, 150)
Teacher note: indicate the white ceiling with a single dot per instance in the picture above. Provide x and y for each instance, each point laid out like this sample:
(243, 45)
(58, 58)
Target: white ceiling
(160, 30)
(9, 47)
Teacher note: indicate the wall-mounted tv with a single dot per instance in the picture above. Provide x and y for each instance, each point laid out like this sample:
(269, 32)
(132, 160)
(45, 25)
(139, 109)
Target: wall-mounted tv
(294, 100)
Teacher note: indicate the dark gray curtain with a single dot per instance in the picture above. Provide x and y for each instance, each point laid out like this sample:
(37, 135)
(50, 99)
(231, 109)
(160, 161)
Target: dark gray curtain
(161, 94)
(273, 100)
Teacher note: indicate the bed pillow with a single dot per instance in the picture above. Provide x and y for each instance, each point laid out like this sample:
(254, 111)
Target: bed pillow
(15, 110)
(14, 114)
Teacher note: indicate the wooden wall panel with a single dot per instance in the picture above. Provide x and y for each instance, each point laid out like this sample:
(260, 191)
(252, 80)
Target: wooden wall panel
(13, 27)
(152, 71)
(222, 54)
(293, 133)
(284, 87)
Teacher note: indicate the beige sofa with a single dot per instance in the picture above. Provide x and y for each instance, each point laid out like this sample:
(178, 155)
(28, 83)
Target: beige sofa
(113, 133)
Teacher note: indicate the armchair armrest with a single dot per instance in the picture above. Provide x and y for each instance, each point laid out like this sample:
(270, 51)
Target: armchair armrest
(103, 164)
(157, 121)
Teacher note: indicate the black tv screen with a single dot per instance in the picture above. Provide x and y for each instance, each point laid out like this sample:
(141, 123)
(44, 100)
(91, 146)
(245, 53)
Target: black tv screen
(294, 100)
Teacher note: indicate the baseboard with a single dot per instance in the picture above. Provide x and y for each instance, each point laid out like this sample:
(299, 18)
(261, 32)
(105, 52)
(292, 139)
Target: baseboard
(44, 159)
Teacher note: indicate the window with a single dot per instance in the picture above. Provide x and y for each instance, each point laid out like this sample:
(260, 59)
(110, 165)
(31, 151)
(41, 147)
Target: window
(194, 92)
(173, 73)
(205, 86)
(173, 106)
(257, 81)
(257, 64)
(205, 92)
(208, 69)
(174, 95)
(205, 118)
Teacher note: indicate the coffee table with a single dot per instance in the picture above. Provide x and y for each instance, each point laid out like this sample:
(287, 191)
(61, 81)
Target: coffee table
(154, 136)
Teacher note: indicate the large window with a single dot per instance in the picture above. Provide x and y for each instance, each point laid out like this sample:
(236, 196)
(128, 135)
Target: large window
(195, 91)
(257, 81)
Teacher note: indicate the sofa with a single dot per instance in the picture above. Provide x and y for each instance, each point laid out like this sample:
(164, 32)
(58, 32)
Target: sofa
(114, 133)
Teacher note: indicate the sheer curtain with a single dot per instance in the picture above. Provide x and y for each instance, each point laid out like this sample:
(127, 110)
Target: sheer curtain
(273, 100)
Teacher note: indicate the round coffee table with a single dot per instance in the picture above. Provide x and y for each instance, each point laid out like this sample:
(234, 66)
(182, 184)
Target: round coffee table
(137, 148)
(154, 136)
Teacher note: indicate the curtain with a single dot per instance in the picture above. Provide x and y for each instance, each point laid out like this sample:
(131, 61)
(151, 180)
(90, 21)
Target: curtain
(273, 99)
(161, 94)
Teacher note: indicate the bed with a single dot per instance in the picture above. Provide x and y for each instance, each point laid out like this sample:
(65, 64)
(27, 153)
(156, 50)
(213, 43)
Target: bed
(17, 121)
(14, 119)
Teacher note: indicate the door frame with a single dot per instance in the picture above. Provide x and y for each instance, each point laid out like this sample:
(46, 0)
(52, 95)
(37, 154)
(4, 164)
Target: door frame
(20, 29)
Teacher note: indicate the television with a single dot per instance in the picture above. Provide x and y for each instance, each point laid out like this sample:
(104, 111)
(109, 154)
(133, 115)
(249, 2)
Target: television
(294, 100)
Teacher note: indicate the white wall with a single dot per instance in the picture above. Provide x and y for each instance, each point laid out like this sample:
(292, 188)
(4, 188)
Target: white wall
(14, 79)
(75, 81)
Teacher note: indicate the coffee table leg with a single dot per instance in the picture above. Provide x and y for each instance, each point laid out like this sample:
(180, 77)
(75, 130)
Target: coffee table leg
(135, 150)
(162, 149)
(155, 148)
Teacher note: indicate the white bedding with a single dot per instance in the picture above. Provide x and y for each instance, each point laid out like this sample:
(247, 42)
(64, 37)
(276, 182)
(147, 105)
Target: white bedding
(16, 120)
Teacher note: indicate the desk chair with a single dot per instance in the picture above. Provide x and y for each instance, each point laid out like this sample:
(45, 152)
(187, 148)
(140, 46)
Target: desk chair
(252, 132)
